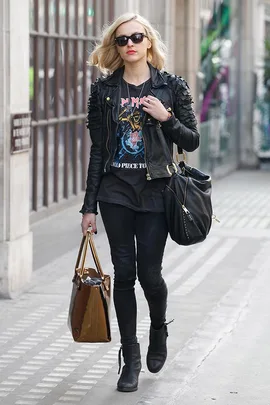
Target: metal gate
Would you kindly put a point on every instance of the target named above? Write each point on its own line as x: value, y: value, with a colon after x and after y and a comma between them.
x: 62, y: 35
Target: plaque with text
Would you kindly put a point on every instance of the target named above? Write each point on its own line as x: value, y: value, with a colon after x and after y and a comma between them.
x: 20, y: 132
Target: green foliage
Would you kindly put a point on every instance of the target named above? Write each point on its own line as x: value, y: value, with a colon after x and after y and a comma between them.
x: 267, y: 61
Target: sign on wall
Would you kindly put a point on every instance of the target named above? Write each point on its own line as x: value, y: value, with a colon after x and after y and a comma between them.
x: 20, y: 132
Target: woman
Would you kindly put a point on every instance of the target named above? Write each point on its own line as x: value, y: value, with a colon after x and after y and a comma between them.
x: 128, y: 171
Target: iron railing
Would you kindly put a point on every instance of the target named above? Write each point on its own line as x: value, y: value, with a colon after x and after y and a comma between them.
x: 61, y: 37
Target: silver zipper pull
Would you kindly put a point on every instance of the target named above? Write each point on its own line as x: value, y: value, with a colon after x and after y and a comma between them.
x: 214, y: 218
x: 186, y: 211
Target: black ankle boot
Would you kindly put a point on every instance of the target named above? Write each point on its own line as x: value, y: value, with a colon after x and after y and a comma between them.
x: 128, y: 380
x: 157, y: 349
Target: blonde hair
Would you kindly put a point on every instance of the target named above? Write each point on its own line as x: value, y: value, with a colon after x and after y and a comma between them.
x: 106, y: 57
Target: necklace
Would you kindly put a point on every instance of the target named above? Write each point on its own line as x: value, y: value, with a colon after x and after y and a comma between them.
x: 129, y: 99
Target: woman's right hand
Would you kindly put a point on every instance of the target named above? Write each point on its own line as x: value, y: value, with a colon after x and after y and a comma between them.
x: 89, y: 220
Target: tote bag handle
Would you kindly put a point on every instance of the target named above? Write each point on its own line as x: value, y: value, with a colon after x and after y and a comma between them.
x: 88, y: 239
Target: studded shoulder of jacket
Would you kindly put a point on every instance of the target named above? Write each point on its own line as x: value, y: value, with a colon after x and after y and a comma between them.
x: 179, y: 87
x: 183, y: 101
x: 93, y: 105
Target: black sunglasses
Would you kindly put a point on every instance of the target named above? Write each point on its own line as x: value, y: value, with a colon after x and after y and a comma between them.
x: 136, y: 38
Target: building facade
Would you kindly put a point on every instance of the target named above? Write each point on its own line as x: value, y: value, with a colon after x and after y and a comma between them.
x: 234, y: 115
x: 261, y: 125
x: 227, y: 91
x: 62, y: 35
x: 218, y: 90
x: 15, y: 235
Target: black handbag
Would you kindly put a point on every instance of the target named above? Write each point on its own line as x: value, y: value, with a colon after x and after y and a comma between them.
x: 187, y: 201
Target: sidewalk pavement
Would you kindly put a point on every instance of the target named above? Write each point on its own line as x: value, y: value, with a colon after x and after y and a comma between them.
x: 40, y: 364
x: 60, y: 233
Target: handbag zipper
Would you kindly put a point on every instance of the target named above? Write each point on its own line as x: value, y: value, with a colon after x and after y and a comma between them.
x: 184, y: 208
x: 187, y: 212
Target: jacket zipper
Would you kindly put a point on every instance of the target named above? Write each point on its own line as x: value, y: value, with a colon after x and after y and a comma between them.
x: 108, y: 138
x: 148, y: 176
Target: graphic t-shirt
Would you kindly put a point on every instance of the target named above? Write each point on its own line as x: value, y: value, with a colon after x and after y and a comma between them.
x: 126, y: 183
x: 130, y: 146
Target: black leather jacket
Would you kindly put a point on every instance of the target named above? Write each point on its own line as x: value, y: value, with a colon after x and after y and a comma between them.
x: 102, y: 121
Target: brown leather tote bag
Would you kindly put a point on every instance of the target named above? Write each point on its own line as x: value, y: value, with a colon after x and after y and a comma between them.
x: 89, y: 310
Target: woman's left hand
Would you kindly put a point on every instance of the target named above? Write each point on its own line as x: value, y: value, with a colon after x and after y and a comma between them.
x: 155, y: 108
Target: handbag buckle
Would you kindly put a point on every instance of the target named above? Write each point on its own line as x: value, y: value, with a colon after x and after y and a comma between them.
x: 168, y: 168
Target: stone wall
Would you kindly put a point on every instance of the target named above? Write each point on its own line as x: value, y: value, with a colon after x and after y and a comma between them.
x: 15, y: 236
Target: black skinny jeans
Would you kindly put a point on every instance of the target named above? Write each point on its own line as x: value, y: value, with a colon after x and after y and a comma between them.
x: 122, y: 226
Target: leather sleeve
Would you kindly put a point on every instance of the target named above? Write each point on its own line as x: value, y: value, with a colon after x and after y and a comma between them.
x: 182, y: 126
x: 93, y: 123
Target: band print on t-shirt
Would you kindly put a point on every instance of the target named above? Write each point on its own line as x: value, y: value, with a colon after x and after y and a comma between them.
x: 126, y: 183
x: 130, y: 146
